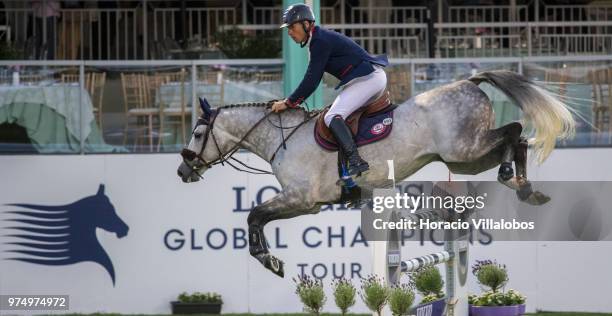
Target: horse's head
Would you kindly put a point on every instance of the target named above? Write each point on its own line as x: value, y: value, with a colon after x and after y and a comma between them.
x: 202, y: 151
x: 105, y: 215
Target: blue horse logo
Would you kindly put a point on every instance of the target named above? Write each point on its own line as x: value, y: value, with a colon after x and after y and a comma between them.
x: 65, y: 234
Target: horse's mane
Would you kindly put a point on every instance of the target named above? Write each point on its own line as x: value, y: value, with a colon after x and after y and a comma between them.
x: 244, y: 105
x: 257, y: 105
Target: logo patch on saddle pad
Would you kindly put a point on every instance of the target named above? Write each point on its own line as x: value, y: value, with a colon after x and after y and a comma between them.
x: 378, y: 128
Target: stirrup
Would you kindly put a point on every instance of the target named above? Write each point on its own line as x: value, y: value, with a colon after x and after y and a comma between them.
x: 361, y: 169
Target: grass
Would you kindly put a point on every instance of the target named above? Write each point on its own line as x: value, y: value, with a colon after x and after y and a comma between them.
x: 570, y: 314
x: 326, y: 314
x: 246, y: 314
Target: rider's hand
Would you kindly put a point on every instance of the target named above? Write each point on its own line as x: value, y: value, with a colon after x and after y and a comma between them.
x: 279, y: 106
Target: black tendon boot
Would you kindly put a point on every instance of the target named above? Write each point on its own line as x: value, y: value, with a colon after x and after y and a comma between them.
x: 345, y: 141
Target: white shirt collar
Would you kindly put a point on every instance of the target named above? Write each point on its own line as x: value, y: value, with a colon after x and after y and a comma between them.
x: 310, y: 36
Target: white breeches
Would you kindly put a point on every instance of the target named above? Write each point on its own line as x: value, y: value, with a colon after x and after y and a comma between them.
x: 357, y: 93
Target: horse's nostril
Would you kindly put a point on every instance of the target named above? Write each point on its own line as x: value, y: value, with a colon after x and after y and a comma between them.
x: 188, y: 154
x: 180, y: 174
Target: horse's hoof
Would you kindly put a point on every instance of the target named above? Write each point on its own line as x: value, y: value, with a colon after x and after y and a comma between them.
x: 532, y: 197
x: 537, y: 198
x: 272, y: 263
x: 275, y: 265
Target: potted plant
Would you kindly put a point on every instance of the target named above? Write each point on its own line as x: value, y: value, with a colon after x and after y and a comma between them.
x: 516, y: 298
x: 428, y: 282
x: 197, y: 303
x: 494, y: 302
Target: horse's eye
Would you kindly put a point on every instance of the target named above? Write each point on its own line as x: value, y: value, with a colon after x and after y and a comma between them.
x: 197, y: 135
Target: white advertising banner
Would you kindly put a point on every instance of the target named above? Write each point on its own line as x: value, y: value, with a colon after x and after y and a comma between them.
x: 122, y: 233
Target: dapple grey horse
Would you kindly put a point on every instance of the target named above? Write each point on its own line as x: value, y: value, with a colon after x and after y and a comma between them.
x: 453, y: 124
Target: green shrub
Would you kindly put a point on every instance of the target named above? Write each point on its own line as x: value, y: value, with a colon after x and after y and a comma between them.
x: 490, y: 274
x: 8, y: 51
x: 311, y: 293
x: 236, y: 43
x: 199, y: 297
x: 374, y: 293
x: 428, y: 281
x: 344, y: 294
x: 400, y: 299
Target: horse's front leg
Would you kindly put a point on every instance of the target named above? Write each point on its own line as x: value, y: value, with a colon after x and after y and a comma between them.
x: 282, y: 206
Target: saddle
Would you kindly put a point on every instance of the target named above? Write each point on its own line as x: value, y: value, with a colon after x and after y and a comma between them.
x: 370, y: 123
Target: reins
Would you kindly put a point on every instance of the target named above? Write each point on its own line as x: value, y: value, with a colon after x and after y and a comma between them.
x: 227, y: 156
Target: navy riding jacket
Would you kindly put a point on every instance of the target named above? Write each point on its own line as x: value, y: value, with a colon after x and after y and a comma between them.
x: 337, y: 55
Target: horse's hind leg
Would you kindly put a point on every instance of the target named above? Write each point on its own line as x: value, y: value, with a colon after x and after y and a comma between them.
x: 506, y: 145
x: 500, y: 143
x: 520, y: 158
x: 516, y: 150
x: 525, y: 192
x: 506, y: 176
x: 496, y: 146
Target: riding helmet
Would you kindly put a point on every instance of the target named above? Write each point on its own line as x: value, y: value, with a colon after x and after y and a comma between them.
x: 297, y: 13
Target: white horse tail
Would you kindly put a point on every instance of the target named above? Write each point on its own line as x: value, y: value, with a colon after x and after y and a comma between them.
x: 550, y: 118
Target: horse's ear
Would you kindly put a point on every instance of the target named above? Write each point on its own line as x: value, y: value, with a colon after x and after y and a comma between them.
x: 100, y: 190
x: 205, y: 107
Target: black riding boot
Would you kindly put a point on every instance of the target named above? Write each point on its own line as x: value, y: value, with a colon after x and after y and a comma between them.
x: 345, y: 141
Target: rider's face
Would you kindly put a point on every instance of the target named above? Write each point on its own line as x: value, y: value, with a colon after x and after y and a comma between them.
x: 296, y: 31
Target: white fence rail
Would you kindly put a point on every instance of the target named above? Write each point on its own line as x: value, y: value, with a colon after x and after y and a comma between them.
x: 596, y: 11
x: 201, y: 22
x: 152, y: 30
x: 387, y: 14
x: 523, y: 38
x: 403, y: 40
x: 496, y: 13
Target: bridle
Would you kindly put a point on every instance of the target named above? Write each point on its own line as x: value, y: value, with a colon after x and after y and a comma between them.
x: 223, y: 157
x: 209, y: 120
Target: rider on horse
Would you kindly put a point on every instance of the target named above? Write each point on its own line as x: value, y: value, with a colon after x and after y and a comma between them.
x: 361, y: 76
